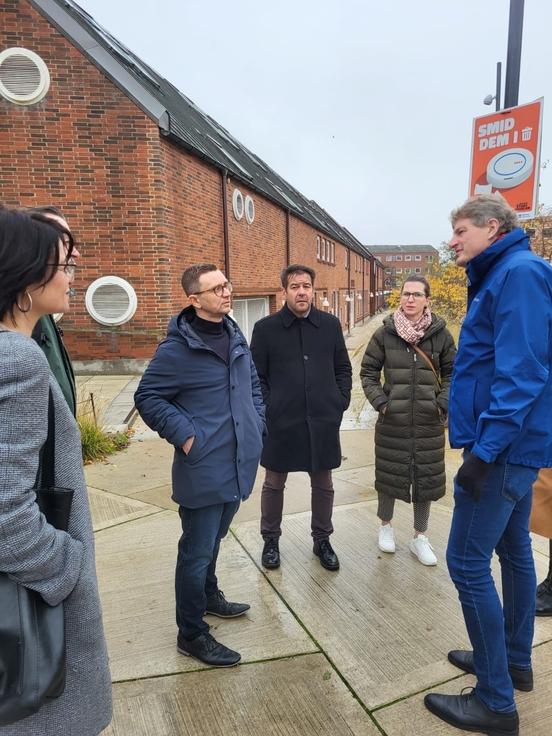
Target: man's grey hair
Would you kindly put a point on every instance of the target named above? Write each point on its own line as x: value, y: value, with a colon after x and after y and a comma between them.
x: 487, y: 207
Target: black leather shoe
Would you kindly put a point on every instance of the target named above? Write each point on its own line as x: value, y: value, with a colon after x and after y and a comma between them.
x: 463, y: 659
x: 544, y: 586
x: 271, y: 554
x: 328, y: 558
x: 217, y: 605
x: 469, y: 713
x: 208, y: 650
x: 544, y: 600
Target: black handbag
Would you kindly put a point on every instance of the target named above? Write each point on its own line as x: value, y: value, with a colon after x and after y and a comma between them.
x: 32, y: 633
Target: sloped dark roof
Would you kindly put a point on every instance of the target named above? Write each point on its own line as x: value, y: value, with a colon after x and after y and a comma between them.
x: 379, y: 249
x: 181, y: 120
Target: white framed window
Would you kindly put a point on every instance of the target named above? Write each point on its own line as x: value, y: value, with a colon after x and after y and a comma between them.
x: 417, y: 258
x: 430, y: 258
x: 110, y: 300
x: 399, y: 270
x: 389, y: 258
x: 24, y: 77
x: 249, y: 210
x: 408, y: 258
x: 248, y: 311
x: 332, y: 255
x: 418, y: 270
x: 238, y: 204
x: 318, y: 247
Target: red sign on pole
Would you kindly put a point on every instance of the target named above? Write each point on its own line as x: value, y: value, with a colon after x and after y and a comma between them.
x: 506, y: 156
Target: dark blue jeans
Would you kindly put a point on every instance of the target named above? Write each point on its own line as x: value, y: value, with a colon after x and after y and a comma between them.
x: 198, y: 548
x: 500, y: 635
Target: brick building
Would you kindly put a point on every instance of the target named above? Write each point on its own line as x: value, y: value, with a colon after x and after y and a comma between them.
x: 150, y: 184
x: 401, y: 260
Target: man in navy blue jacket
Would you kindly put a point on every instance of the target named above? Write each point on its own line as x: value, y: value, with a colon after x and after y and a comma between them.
x: 202, y: 394
x: 499, y: 413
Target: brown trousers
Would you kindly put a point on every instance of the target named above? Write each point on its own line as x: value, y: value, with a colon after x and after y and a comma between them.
x: 272, y: 504
x: 541, y: 511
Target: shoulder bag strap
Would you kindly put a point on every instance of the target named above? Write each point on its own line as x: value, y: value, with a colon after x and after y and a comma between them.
x: 45, y: 476
x: 426, y: 358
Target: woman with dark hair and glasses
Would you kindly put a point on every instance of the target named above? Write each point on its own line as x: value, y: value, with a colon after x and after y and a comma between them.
x: 416, y: 352
x: 46, y: 332
x: 59, y: 565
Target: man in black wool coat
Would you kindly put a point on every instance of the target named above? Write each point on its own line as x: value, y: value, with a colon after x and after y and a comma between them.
x: 305, y: 376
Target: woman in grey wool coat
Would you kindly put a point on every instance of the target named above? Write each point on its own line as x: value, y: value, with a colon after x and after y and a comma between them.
x: 35, y: 276
x: 416, y: 352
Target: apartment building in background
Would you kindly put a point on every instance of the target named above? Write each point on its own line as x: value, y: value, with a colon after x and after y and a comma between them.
x: 400, y: 261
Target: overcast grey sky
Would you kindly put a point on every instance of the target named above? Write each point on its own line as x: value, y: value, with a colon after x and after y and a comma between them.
x: 365, y: 106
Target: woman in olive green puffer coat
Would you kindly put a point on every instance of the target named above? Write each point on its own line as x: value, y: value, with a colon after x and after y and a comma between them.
x: 412, y: 406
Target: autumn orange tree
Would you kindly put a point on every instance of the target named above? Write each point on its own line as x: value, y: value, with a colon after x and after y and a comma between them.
x: 539, y: 230
x: 448, y: 291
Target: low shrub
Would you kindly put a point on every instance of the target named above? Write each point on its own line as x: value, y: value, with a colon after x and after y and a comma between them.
x: 97, y: 444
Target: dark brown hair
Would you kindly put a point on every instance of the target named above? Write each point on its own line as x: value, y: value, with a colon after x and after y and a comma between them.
x: 190, y: 277
x: 419, y: 279
x: 293, y: 269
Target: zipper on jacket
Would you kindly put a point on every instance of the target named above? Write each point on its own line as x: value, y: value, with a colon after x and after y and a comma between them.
x: 412, y: 396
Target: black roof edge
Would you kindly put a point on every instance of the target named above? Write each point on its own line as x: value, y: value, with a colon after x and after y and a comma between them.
x: 101, y: 58
x: 133, y: 77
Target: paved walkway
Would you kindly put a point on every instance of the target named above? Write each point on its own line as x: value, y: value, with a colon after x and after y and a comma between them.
x: 323, y: 654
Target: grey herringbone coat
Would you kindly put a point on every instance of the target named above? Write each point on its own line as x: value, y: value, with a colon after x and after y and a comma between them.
x: 59, y: 565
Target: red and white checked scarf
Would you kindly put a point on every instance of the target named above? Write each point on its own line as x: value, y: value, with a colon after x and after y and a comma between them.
x: 412, y: 332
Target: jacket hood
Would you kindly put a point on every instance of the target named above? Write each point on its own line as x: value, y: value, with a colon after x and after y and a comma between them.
x: 437, y: 324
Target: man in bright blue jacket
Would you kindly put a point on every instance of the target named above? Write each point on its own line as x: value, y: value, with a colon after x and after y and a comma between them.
x: 201, y: 393
x: 499, y: 413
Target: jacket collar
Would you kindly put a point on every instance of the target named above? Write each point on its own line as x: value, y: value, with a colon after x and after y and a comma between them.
x: 180, y: 327
x: 479, y: 266
x: 288, y: 318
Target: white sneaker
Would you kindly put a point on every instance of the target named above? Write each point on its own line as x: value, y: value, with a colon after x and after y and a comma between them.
x: 386, y: 538
x: 423, y: 550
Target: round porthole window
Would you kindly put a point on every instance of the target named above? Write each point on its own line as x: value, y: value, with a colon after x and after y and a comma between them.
x: 249, y: 209
x: 24, y: 77
x: 237, y: 204
x: 111, y: 300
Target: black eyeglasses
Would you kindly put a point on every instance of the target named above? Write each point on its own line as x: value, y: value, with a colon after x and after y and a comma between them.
x: 68, y: 268
x: 217, y: 290
x: 415, y: 294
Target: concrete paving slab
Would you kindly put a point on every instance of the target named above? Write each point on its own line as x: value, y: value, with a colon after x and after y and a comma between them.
x: 362, y: 477
x: 411, y: 718
x: 357, y: 449
x: 109, y: 509
x: 136, y: 575
x: 385, y: 621
x: 143, y: 465
x: 541, y: 545
x: 160, y: 496
x: 293, y: 697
